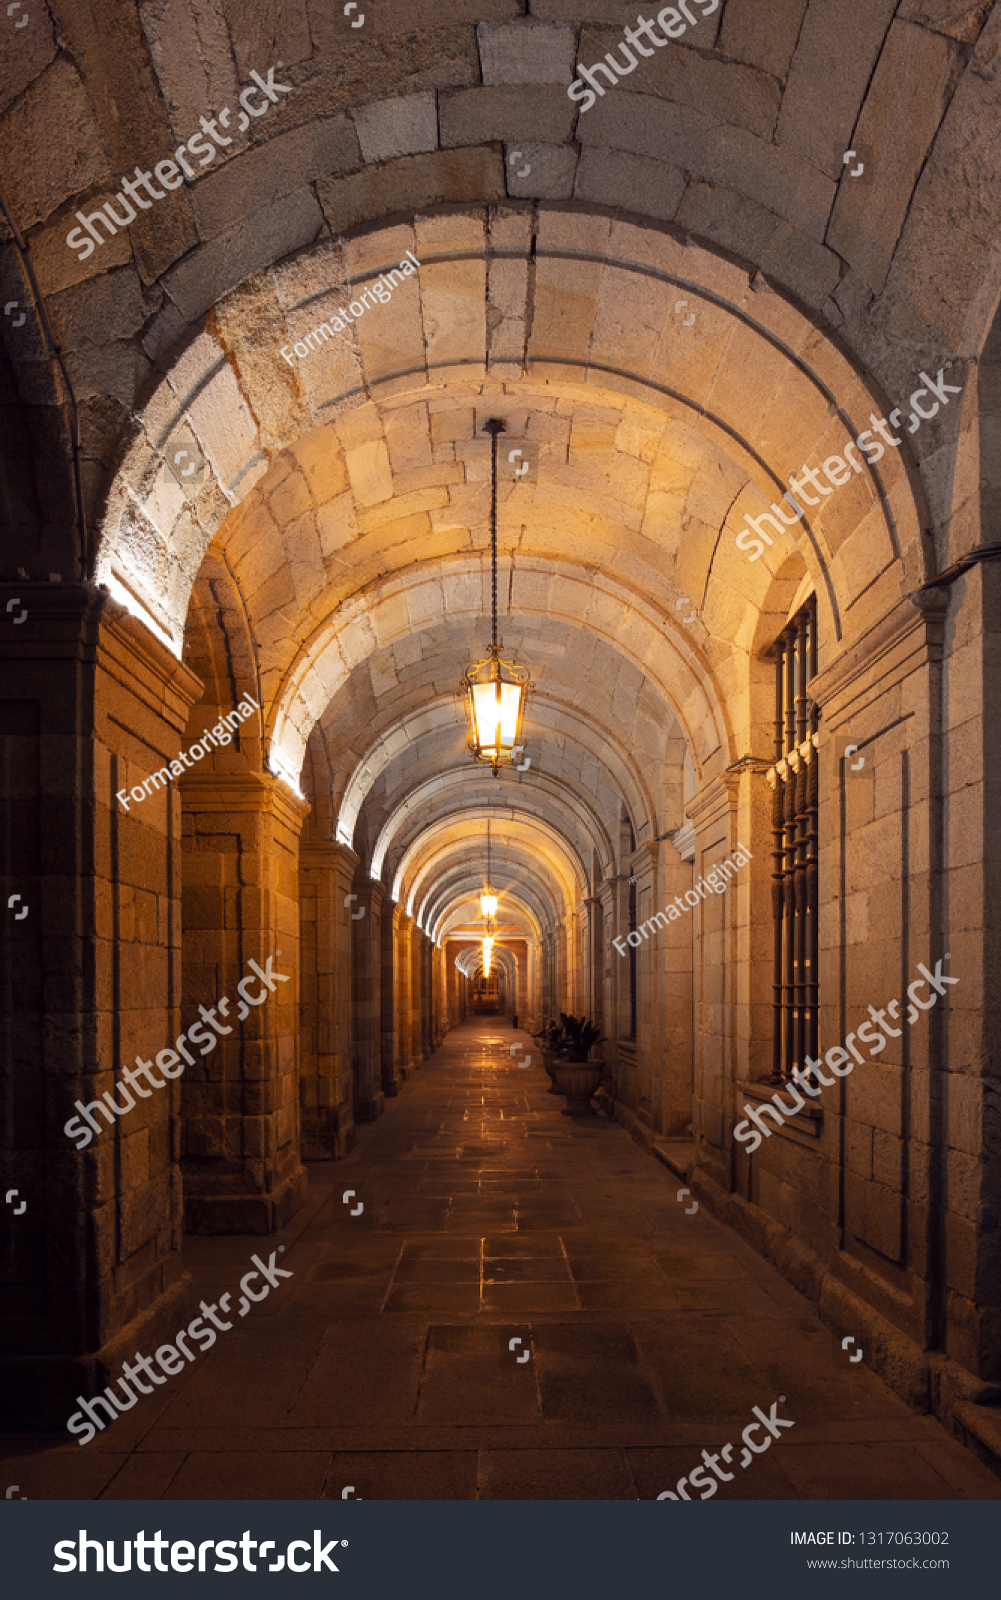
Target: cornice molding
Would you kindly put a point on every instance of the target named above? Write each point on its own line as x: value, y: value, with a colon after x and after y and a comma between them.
x: 907, y: 638
x: 245, y: 793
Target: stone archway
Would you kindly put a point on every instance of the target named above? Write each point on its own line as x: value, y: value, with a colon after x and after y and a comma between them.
x: 331, y: 565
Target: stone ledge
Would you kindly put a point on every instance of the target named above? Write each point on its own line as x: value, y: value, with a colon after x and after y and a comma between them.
x: 979, y: 1428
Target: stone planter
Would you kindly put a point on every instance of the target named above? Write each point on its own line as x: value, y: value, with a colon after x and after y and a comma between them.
x: 549, y: 1060
x: 578, y: 1081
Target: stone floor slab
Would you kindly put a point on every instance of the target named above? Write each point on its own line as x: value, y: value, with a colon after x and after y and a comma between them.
x: 503, y: 1229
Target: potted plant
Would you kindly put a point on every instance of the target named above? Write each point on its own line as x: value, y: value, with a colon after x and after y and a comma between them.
x: 573, y: 1075
x: 552, y: 1042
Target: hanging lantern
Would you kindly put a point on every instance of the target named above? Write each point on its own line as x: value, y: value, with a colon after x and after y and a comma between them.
x: 494, y: 690
x: 488, y: 947
x: 488, y: 900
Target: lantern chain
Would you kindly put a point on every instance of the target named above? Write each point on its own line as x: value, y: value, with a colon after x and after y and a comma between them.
x: 493, y: 426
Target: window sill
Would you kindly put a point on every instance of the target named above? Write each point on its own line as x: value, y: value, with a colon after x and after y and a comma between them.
x: 808, y: 1123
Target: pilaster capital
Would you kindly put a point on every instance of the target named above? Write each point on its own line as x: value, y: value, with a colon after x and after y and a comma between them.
x: 715, y: 801
x: 907, y: 638
x: 243, y: 794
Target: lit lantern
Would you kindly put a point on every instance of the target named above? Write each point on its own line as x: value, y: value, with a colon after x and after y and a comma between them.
x: 488, y: 900
x: 494, y: 690
x: 488, y: 948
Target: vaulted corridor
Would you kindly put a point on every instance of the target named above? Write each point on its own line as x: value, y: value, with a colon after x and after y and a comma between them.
x: 472, y: 557
x: 491, y: 1214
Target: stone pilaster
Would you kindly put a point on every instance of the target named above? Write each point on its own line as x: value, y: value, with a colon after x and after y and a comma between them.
x: 369, y: 1097
x: 241, y: 1156
x: 326, y: 1089
x: 403, y: 1061
x: 392, y: 1078
x: 594, y: 959
x: 90, y: 977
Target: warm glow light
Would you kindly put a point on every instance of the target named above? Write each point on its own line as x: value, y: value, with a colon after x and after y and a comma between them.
x: 488, y: 905
x: 495, y: 694
x: 118, y: 591
x: 488, y: 946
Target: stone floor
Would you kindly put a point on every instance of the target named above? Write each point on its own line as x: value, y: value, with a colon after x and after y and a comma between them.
x: 384, y: 1365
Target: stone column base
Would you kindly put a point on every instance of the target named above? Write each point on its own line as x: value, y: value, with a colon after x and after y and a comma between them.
x: 260, y: 1214
x: 41, y: 1391
x: 392, y: 1083
x: 328, y: 1132
x: 369, y: 1110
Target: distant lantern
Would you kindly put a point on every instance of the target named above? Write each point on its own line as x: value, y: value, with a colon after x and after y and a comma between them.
x: 494, y: 690
x: 488, y: 900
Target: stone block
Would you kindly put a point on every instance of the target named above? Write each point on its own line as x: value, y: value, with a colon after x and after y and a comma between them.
x: 527, y: 51
x: 958, y: 19
x: 412, y: 184
x: 963, y: 1104
x: 550, y: 174
x: 629, y: 182
x: 408, y: 439
x: 870, y: 210
x: 370, y: 473
x: 532, y: 113
x: 762, y: 37
x: 256, y: 180
x: 883, y: 1220
x: 254, y: 32
x: 780, y: 249
x: 858, y: 1147
x: 189, y: 47
x: 682, y: 137
x: 723, y: 90
x: 404, y: 126
x: 960, y: 1255
x: 819, y: 128
x: 405, y: 16
x: 208, y: 274
x: 24, y: 53
x: 52, y: 149
x: 887, y: 1160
